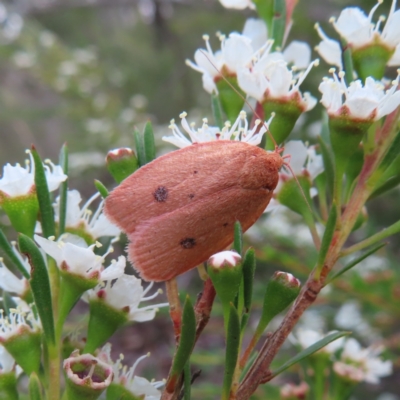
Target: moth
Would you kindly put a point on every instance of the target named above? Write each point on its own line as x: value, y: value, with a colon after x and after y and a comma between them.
x: 180, y: 209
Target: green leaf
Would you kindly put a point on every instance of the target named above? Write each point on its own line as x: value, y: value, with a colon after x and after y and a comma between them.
x: 392, y: 153
x: 43, y: 195
x: 40, y: 285
x: 185, y: 346
x: 216, y: 110
x: 139, y: 143
x: 232, y: 351
x: 347, y: 61
x: 35, y: 391
x: 148, y: 141
x: 327, y: 238
x: 310, y: 350
x: 249, y: 267
x: 8, y: 250
x: 328, y: 163
x: 355, y: 262
x: 101, y: 188
x: 278, y: 23
x: 238, y: 238
x: 63, y: 161
x: 8, y: 302
x: 187, y: 384
x: 8, y: 386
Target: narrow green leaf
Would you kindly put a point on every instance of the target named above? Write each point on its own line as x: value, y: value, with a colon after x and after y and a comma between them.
x: 249, y: 267
x: 327, y: 238
x: 238, y: 238
x: 391, y: 183
x: 63, y: 189
x: 310, y: 350
x: 43, y: 195
x: 216, y: 110
x: 8, y: 302
x: 328, y: 162
x: 279, y: 23
x: 187, y: 384
x: 8, y: 250
x: 148, y: 140
x: 40, y: 285
x: 139, y: 143
x: 186, y: 343
x: 101, y: 188
x: 355, y: 262
x: 392, y: 153
x: 35, y: 391
x: 347, y: 62
x: 232, y: 351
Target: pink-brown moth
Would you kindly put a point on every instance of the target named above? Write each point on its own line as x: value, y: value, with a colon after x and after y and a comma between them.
x: 180, y: 209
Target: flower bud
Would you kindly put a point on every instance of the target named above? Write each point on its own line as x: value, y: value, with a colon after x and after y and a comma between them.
x: 20, y: 334
x: 87, y: 376
x: 281, y: 290
x: 22, y: 211
x: 225, y: 271
x: 121, y: 163
x: 294, y: 392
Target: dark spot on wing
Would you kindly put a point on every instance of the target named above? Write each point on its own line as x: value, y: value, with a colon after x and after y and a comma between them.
x: 161, y: 194
x: 191, y: 195
x: 188, y: 243
x: 225, y: 224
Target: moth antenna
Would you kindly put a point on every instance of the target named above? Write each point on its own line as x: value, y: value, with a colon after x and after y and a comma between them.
x: 244, y: 99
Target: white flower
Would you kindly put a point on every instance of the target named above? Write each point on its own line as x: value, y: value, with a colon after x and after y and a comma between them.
x: 359, y: 31
x: 292, y: 391
x: 11, y: 26
x: 68, y: 68
x: 11, y: 283
x: 18, y: 181
x: 126, y: 377
x: 6, y: 361
x: 370, y: 101
x: 303, y: 159
x: 238, y: 131
x: 237, y: 4
x: 270, y: 78
x: 256, y: 31
x: 76, y: 258
x: 126, y: 293
x: 95, y: 224
x: 88, y: 371
x: 307, y: 337
x: 54, y: 175
x: 20, y: 319
x: 225, y: 258
x: 297, y: 53
x: 236, y: 51
x: 349, y: 317
x: 47, y: 38
x: 366, y: 360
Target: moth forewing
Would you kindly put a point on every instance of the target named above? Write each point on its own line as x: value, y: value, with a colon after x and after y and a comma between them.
x: 180, y: 209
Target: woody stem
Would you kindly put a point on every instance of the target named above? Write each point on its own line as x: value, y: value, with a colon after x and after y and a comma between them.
x: 175, y: 310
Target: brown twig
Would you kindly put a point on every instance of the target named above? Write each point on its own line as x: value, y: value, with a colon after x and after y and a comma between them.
x: 203, y: 306
x: 202, y: 311
x: 175, y: 310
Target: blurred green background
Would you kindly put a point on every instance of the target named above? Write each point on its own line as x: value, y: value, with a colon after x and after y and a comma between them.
x: 86, y: 72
